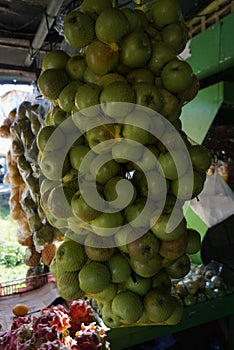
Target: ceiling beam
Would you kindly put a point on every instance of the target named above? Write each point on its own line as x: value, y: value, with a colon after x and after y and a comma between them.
x: 43, y: 29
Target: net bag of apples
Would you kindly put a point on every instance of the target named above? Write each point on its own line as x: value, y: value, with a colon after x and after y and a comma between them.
x: 116, y: 166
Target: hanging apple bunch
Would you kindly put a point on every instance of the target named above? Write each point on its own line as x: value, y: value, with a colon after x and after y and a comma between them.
x: 115, y: 172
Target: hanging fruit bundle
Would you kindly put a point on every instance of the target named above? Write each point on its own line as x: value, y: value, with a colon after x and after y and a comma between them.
x: 116, y: 166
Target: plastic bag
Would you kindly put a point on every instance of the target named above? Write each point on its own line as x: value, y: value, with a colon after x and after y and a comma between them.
x: 216, y: 201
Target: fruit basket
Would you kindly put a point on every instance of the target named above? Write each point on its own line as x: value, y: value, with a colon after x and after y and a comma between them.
x: 23, y: 285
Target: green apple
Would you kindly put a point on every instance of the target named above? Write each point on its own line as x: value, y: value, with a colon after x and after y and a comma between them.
x: 95, y: 248
x: 174, y: 164
x: 191, y: 92
x: 143, y: 320
x: 137, y: 284
x: 147, y: 162
x: 54, y: 165
x: 106, y: 171
x: 188, y: 186
x: 79, y: 29
x: 76, y: 156
x: 118, y: 91
x: 137, y: 19
x: 94, y: 277
x: 201, y: 157
x: 153, y: 185
x: 55, y: 59
x: 162, y: 280
x: 122, y: 69
x: 58, y: 203
x: 133, y: 211
x: 82, y: 210
x: 164, y: 12
x: 148, y: 268
x: 179, y: 267
x: 119, y: 194
x: 50, y: 138
x: 109, y: 78
x: 107, y: 224
x: 101, y: 58
x: 193, y: 241
x: 111, y: 25
x: 148, y: 95
x: 174, y: 140
x: 87, y: 95
x: 77, y: 236
x: 173, y: 249
x: 70, y: 256
x: 58, y: 116
x: 76, y: 226
x: 109, y: 318
x: 135, y: 49
x: 119, y: 268
x: 153, y: 33
x: 177, y: 76
x: 171, y: 108
x: 140, y: 75
x: 127, y: 150
x: 160, y: 228
x: 97, y: 135
x: 137, y: 127
x: 66, y: 99
x: 90, y: 76
x: 138, y: 213
x: 128, y: 306
x: 177, y: 313
x: 121, y: 238
x: 161, y: 55
x: 94, y: 8
x: 68, y: 286
x: 75, y: 67
x: 107, y: 294
x: 175, y: 35
x: 158, y: 305
x: 143, y: 248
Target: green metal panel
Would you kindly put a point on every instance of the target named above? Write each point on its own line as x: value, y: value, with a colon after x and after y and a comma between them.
x: 198, y: 115
x: 227, y: 43
x: 212, y: 51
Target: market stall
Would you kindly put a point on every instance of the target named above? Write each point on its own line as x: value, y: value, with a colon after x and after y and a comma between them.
x: 110, y: 167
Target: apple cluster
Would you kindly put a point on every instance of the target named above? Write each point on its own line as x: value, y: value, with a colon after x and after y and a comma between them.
x: 116, y: 165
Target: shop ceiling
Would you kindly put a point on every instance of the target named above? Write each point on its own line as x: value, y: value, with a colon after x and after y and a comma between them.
x: 30, y: 28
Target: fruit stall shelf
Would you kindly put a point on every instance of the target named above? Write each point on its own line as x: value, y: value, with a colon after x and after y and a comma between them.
x: 194, y: 315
